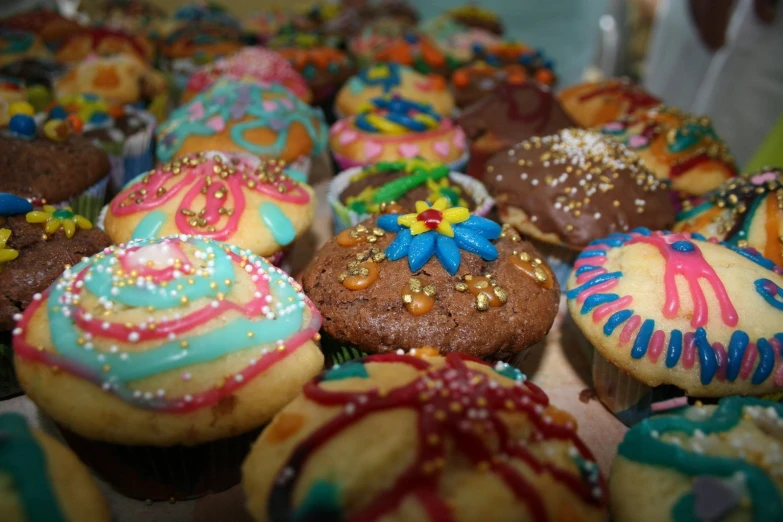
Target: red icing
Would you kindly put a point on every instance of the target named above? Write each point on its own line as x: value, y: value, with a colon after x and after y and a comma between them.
x: 722, y: 359
x: 635, y: 96
x: 748, y: 361
x: 629, y: 328
x: 656, y: 345
x: 688, y: 351
x: 431, y: 218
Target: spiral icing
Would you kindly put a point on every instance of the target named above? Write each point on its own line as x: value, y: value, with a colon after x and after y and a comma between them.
x: 396, y: 115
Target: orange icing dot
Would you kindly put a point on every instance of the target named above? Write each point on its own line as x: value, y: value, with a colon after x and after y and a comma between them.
x: 76, y: 122
x: 360, y: 282
x: 481, y: 285
x: 545, y: 76
x: 346, y: 239
x: 538, y: 272
x: 106, y: 77
x: 419, y: 303
x: 460, y: 78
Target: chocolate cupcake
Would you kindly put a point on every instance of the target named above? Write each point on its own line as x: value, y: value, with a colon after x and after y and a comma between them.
x: 395, y: 186
x: 438, y: 277
x: 510, y: 114
x: 473, y: 82
x: 573, y: 187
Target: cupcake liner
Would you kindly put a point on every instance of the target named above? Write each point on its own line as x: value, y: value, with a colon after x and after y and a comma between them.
x: 299, y: 169
x: 165, y: 473
x: 9, y: 386
x: 559, y: 258
x: 344, y: 218
x: 138, y: 154
x: 345, y: 163
x: 89, y: 202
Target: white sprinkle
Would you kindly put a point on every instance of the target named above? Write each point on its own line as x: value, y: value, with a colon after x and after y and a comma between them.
x: 133, y: 337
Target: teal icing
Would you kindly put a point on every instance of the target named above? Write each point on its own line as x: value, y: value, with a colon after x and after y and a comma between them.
x: 16, y: 41
x: 277, y: 222
x: 356, y: 85
x: 296, y: 175
x: 150, y: 225
x: 322, y: 499
x: 642, y: 446
x: 229, y: 338
x: 510, y: 372
x: 689, y: 135
x: 745, y: 230
x: 348, y: 370
x: 23, y: 459
x: 695, y: 211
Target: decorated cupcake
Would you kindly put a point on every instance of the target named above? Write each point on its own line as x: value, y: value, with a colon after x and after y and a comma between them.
x: 251, y: 64
x: 36, y: 244
x: 395, y: 186
x: 393, y: 128
x: 595, y: 103
x: 168, y: 373
x: 437, y: 277
x: 473, y: 82
x: 42, y: 479
x: 105, y: 42
x: 512, y: 113
x: 461, y: 441
x: 126, y: 134
x: 412, y: 49
x: 48, y: 25
x: 232, y: 197
x: 567, y: 189
x: 17, y: 45
x: 12, y: 91
x: 265, y: 24
x: 456, y: 41
x: 266, y: 121
x: 671, y: 314
x: 132, y: 16
x: 716, y: 462
x: 537, y: 66
x: 676, y: 146
x: 52, y: 164
x: 392, y: 79
x: 746, y: 211
x: 475, y: 16
x: 31, y: 80
x: 325, y: 69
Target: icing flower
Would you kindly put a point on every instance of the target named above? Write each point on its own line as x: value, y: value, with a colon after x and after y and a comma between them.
x: 6, y: 254
x: 55, y: 219
x: 444, y: 189
x: 396, y: 115
x: 440, y: 231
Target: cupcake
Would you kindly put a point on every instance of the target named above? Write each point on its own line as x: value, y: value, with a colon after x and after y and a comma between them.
x: 702, y: 462
x: 395, y: 186
x: 567, y: 189
x: 168, y: 373
x: 105, y: 42
x: 325, y: 69
x: 535, y: 64
x: 676, y: 146
x: 392, y: 79
x: 266, y: 121
x: 745, y: 211
x: 52, y: 164
x: 392, y: 128
x: 11, y: 91
x: 594, y: 103
x: 457, y: 41
x: 265, y: 24
x: 230, y: 197
x: 42, y: 479
x: 34, y: 80
x: 412, y: 49
x: 48, y: 25
x: 132, y: 16
x: 418, y: 439
x: 437, y: 277
x: 477, y: 17
x: 672, y: 314
x: 18, y: 45
x: 398, y: 11
x: 120, y: 79
x: 473, y: 82
x: 512, y: 113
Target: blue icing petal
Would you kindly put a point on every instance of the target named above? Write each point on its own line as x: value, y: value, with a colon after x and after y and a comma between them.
x: 11, y: 205
x: 448, y: 254
x: 149, y: 227
x: 422, y: 248
x: 389, y: 223
x: 486, y: 227
x: 278, y: 223
x: 474, y: 243
x: 399, y: 247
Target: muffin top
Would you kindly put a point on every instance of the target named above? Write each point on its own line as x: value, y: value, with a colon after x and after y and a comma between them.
x: 677, y: 146
x: 576, y: 186
x: 460, y: 440
x: 702, y: 463
x: 230, y: 197
x: 437, y: 277
x: 267, y: 121
x: 35, y: 248
x: 746, y: 211
x: 674, y: 308
x: 49, y: 170
x: 594, y: 103
x: 511, y: 113
x: 167, y: 341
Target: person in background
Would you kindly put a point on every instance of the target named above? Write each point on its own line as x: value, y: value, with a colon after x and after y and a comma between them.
x: 721, y: 58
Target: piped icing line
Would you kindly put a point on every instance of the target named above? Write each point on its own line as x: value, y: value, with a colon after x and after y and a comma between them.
x: 211, y: 189
x: 272, y: 321
x: 683, y: 258
x: 645, y: 444
x: 438, y: 421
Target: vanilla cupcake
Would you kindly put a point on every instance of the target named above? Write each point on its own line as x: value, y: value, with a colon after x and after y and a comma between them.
x: 167, y: 345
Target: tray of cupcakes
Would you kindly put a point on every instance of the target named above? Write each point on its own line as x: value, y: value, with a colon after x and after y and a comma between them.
x: 344, y: 264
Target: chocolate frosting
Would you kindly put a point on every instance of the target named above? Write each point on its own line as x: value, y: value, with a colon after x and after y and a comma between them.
x: 580, y: 186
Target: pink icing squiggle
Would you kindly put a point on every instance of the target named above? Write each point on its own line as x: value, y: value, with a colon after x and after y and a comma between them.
x: 688, y: 351
x: 597, y: 289
x: 609, y: 308
x: 748, y: 361
x: 580, y: 262
x: 586, y: 276
x: 629, y: 329
x: 212, y: 207
x: 656, y: 346
x: 722, y: 359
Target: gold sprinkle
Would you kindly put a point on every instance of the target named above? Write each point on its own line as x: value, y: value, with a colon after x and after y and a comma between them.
x: 482, y: 302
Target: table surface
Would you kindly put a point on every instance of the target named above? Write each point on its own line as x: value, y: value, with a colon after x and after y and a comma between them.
x: 560, y: 368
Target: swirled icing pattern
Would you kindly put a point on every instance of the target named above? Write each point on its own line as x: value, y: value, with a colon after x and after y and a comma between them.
x: 192, y: 280
x: 396, y: 115
x: 238, y: 108
x: 734, y: 356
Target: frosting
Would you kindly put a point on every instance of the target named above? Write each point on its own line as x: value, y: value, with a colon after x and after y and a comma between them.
x: 439, y: 231
x: 23, y: 459
x: 14, y: 41
x: 396, y: 115
x: 189, y: 277
x: 53, y: 219
x: 385, y: 75
x: 12, y: 205
x: 652, y: 442
x: 239, y: 108
x: 442, y: 419
x: 6, y: 253
x: 211, y: 189
x: 684, y: 265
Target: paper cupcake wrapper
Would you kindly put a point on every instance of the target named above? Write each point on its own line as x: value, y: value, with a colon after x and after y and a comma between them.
x: 90, y: 202
x: 138, y: 154
x: 165, y: 473
x: 344, y: 218
x: 9, y: 386
x: 559, y: 258
x: 346, y: 163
